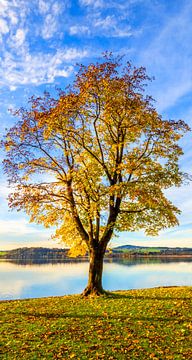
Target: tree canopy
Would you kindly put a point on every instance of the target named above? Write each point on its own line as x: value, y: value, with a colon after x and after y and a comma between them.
x: 96, y: 160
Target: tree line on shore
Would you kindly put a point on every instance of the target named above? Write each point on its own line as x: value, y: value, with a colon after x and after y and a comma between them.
x: 121, y: 251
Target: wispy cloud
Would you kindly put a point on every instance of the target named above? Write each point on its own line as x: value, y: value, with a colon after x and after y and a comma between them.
x: 28, y: 70
x: 20, y: 62
x: 114, y: 4
x: 168, y: 57
x: 34, y: 52
x: 112, y: 27
x: 4, y: 29
x: 10, y: 227
x: 79, y: 30
x: 44, y: 6
x: 37, y: 68
x: 49, y: 27
x: 107, y: 19
x: 92, y: 3
x: 51, y: 11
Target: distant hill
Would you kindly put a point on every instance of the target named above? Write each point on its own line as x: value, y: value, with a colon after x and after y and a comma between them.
x: 134, y: 249
x: 34, y: 253
x: 122, y: 247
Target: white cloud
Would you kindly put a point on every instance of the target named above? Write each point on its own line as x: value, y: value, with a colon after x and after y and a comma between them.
x: 79, y: 30
x: 13, y: 87
x: 121, y: 33
x: 19, y: 38
x: 121, y: 5
x: 39, y: 68
x: 17, y: 227
x: 71, y: 54
x: 94, y: 3
x: 50, y: 6
x: 3, y: 7
x: 49, y: 27
x: 44, y: 6
x: 4, y: 29
x: 51, y: 24
x: 112, y: 27
x: 20, y: 62
x: 13, y: 17
x: 98, y: 22
x: 42, y: 239
x: 106, y: 22
x: 56, y: 8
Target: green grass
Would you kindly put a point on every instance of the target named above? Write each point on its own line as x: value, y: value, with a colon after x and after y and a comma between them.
x: 136, y: 324
x: 139, y: 251
x: 146, y: 251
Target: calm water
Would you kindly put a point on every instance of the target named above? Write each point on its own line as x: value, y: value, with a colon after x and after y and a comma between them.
x: 19, y: 280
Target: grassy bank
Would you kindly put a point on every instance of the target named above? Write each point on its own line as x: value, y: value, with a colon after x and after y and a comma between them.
x: 136, y: 324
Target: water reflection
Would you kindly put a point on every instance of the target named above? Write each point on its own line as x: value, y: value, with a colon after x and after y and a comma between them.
x: 24, y: 262
x: 129, y: 261
x: 26, y: 280
x: 38, y: 280
x: 151, y: 260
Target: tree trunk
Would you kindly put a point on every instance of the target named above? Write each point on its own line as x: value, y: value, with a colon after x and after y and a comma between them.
x: 94, y: 286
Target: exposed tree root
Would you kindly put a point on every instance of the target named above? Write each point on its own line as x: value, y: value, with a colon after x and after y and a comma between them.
x: 93, y: 291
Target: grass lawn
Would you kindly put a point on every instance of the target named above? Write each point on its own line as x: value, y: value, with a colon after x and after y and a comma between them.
x: 136, y: 324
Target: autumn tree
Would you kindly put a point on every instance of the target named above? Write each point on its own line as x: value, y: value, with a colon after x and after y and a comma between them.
x: 95, y: 161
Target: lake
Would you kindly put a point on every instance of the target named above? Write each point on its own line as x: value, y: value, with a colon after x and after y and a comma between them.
x: 19, y: 280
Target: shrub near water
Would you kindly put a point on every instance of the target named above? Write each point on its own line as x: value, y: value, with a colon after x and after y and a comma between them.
x: 136, y: 324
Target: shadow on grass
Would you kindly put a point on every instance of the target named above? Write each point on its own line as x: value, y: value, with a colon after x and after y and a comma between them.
x: 86, y: 318
x: 124, y: 295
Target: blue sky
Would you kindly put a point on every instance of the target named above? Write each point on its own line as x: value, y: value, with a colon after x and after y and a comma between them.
x: 40, y: 43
